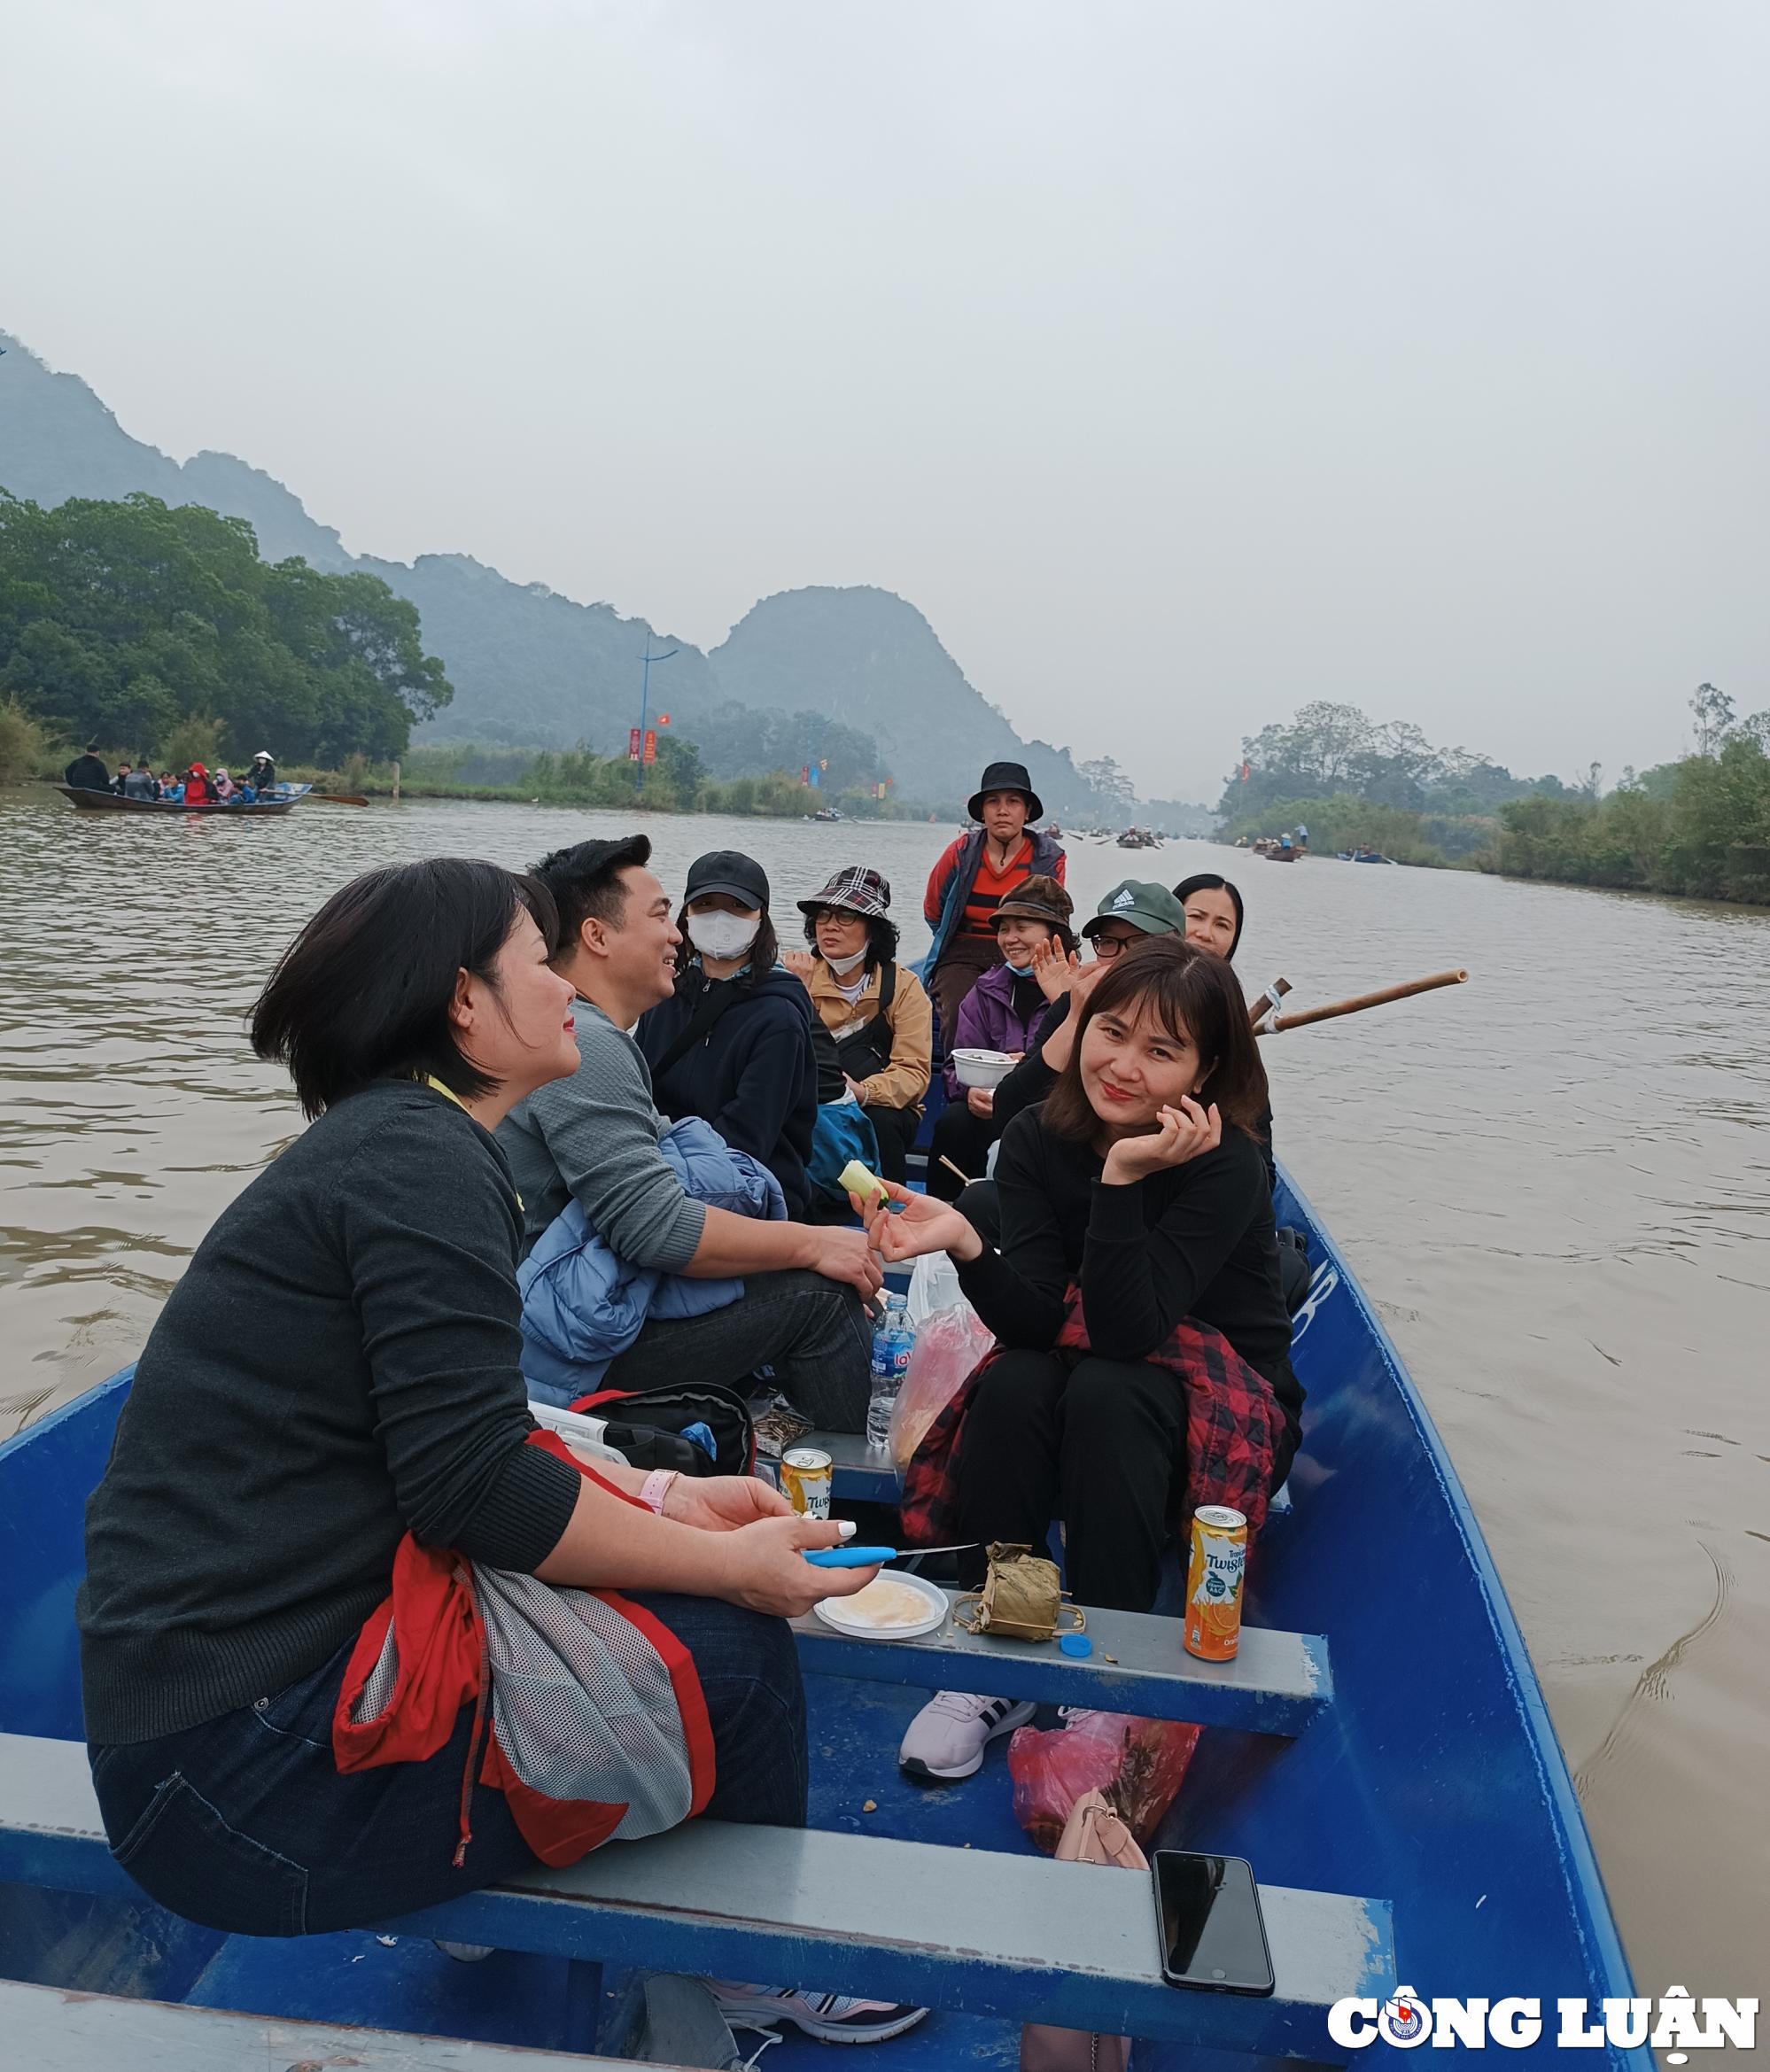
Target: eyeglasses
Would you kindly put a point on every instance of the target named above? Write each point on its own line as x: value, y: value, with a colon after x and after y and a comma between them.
x: 1109, y: 946
x: 837, y: 916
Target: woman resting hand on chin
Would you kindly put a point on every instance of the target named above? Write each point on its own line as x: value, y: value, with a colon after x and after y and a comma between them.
x: 1138, y: 1187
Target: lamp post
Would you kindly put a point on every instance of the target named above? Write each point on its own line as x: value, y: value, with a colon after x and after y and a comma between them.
x: 645, y: 705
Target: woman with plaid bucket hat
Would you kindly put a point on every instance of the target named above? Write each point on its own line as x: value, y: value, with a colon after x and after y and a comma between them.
x: 874, y: 1008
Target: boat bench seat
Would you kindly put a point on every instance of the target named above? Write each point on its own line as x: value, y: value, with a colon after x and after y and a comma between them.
x: 48, y: 2030
x: 1277, y: 1683
x: 1019, y: 1937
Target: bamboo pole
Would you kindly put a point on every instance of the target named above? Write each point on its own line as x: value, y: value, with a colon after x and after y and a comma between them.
x: 1360, y: 1001
x: 1269, y: 999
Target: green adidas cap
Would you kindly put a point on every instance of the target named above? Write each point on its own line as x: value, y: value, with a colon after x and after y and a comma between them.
x: 1152, y: 908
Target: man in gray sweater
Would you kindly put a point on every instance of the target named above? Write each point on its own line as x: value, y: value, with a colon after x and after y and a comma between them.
x: 594, y: 1138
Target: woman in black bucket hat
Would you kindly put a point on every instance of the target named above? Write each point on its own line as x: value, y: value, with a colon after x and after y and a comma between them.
x: 975, y: 874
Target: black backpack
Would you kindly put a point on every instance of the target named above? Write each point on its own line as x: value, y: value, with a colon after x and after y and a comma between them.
x: 648, y: 1426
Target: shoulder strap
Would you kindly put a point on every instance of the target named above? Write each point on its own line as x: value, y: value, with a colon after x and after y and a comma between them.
x: 713, y: 1003
x: 888, y: 983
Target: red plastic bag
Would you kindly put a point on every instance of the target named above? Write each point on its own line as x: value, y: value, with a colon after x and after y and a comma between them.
x: 1138, y: 1763
x: 948, y: 1344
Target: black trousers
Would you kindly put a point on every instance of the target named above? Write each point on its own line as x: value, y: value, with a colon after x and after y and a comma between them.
x: 963, y: 1138
x: 1104, y: 1442
x: 896, y: 1129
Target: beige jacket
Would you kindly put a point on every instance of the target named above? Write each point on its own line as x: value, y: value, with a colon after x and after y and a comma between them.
x: 905, y: 1078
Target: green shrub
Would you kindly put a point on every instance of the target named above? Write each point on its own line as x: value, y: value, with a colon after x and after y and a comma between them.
x: 24, y: 745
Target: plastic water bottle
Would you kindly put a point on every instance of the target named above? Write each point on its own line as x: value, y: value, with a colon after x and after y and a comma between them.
x: 891, y: 1347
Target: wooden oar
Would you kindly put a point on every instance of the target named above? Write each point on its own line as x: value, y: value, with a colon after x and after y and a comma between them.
x: 1360, y: 1001
x: 338, y: 798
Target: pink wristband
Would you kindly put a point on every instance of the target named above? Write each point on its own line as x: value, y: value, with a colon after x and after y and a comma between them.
x: 657, y: 1487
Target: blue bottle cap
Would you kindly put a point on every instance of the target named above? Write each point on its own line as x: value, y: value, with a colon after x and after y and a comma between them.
x: 1076, y: 1644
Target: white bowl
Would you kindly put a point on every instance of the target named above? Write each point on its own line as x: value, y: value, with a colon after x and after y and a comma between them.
x: 840, y: 1611
x: 982, y: 1068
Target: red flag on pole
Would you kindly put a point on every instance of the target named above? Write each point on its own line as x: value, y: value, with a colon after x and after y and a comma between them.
x: 663, y: 719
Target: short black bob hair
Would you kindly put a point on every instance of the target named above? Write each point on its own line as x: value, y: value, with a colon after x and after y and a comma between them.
x: 881, y: 938
x: 1180, y: 987
x: 1209, y: 881
x: 364, y: 991
x: 585, y: 884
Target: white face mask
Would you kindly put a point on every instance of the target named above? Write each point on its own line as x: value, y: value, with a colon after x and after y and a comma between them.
x: 721, y: 934
x: 843, y: 966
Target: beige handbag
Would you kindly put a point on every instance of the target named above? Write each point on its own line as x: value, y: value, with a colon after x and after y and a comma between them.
x: 1092, y: 1833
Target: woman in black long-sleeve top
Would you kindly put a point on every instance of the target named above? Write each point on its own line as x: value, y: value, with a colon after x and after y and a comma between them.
x: 1140, y: 1183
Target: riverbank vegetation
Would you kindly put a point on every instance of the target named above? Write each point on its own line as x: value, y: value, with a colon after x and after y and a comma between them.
x: 1352, y: 779
x: 1699, y: 827
x: 676, y: 783
x: 136, y: 624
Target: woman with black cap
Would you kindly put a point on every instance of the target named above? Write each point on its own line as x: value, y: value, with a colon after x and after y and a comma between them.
x: 975, y: 874
x: 733, y: 1045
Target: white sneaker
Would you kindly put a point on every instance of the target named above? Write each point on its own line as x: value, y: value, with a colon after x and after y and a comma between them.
x: 947, y: 1738
x: 832, y: 2018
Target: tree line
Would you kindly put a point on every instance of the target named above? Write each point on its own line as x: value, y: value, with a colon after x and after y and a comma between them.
x: 1699, y: 826
x: 140, y: 625
x: 1355, y: 779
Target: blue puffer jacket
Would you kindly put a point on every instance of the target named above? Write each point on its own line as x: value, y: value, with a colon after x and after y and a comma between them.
x: 582, y: 1306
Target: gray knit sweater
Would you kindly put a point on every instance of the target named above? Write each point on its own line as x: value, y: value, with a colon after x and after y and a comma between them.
x: 340, y: 1362
x: 595, y: 1136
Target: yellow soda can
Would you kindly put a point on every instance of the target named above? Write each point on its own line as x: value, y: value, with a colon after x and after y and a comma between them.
x: 1213, y: 1583
x: 805, y: 1479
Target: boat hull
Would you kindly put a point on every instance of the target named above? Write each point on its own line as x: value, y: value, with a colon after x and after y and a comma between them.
x: 1433, y: 1780
x: 109, y: 801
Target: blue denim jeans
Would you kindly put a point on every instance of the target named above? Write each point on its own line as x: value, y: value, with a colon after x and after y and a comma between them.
x: 244, y: 1824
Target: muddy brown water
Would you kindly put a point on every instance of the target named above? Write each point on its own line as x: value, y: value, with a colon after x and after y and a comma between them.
x: 1554, y: 1182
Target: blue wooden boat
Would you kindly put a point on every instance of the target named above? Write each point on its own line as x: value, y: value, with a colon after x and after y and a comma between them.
x: 281, y: 799
x: 1380, y: 1751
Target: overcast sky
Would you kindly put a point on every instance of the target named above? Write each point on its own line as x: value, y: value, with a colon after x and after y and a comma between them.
x: 1405, y: 352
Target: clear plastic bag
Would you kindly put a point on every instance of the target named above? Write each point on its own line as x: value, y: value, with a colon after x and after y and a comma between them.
x: 934, y: 1286
x: 1138, y: 1764
x: 948, y: 1344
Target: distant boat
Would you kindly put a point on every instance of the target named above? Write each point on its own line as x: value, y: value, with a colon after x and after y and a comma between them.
x: 826, y: 813
x: 111, y: 802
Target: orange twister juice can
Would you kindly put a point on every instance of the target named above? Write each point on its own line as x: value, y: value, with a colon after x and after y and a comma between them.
x: 1213, y: 1577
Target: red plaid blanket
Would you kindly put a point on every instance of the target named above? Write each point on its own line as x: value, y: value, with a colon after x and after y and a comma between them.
x: 1233, y: 1428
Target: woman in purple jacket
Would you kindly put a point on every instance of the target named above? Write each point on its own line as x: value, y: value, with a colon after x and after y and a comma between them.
x: 1000, y: 1013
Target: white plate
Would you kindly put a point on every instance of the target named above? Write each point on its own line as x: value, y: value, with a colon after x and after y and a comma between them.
x: 838, y: 1612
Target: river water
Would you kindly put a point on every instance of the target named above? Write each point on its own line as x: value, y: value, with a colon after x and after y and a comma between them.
x: 1554, y: 1182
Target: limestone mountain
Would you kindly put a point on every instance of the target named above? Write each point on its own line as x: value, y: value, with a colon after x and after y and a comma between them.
x: 868, y: 657
x: 854, y: 676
